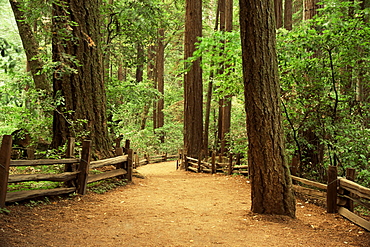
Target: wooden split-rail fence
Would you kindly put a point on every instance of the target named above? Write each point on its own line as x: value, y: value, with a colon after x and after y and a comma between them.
x: 339, y: 194
x: 152, y: 159
x: 75, y: 177
x: 214, y: 164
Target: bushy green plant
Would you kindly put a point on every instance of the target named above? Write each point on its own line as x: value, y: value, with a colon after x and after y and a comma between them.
x: 322, y: 65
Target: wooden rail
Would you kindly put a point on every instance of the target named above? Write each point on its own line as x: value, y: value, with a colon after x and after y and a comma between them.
x: 75, y: 177
x: 339, y: 193
x: 152, y: 159
x: 198, y: 165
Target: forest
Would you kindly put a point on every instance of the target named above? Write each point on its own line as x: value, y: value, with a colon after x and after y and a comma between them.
x: 120, y: 72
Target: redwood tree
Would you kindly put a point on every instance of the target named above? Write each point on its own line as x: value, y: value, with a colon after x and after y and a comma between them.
x: 271, y: 183
x: 79, y: 74
x: 193, y: 87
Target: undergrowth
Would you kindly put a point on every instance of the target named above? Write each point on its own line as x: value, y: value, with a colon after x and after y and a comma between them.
x: 103, y: 186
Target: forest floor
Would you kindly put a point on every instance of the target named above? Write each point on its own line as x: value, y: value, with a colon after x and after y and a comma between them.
x: 173, y: 208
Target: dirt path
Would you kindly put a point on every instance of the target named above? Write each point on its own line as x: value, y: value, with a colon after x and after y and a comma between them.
x: 173, y: 208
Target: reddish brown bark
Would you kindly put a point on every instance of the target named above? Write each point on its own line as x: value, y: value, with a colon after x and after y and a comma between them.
x: 193, y: 87
x: 288, y: 14
x: 79, y: 75
x: 271, y: 183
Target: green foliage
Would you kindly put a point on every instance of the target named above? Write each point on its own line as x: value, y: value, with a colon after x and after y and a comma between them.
x: 103, y: 186
x: 221, y: 62
x: 4, y: 211
x: 237, y: 139
x: 131, y: 24
x: 126, y: 100
x: 10, y: 56
x: 323, y: 63
x: 37, y: 203
x: 32, y: 185
x: 24, y: 109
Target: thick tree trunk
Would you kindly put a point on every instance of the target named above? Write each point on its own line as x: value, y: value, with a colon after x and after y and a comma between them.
x: 79, y: 75
x: 193, y: 87
x: 271, y: 183
x: 31, y: 48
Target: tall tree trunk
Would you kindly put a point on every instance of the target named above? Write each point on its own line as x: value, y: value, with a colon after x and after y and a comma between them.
x: 226, y: 107
x: 209, y: 93
x: 31, y: 47
x: 297, y: 6
x: 160, y: 81
x: 220, y: 133
x: 207, y: 115
x: 310, y: 9
x: 288, y: 14
x: 271, y: 183
x: 139, y: 63
x: 193, y: 87
x: 121, y: 73
x: 79, y: 76
x: 150, y: 75
x: 278, y: 4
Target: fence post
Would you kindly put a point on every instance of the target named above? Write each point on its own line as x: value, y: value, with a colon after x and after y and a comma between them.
x: 237, y: 162
x: 5, y: 153
x: 231, y: 168
x: 213, y: 162
x: 129, y: 165
x: 199, y: 161
x: 178, y: 159
x: 182, y: 160
x: 136, y: 158
x: 350, y: 175
x: 147, y: 159
x: 30, y: 153
x: 70, y: 154
x: 331, y: 193
x: 84, y: 167
x: 119, y: 152
x: 186, y: 162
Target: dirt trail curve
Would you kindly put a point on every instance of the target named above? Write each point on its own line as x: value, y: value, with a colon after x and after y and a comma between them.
x: 173, y: 208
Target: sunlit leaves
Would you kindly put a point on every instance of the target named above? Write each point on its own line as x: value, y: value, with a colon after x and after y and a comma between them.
x: 322, y: 66
x: 221, y: 62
